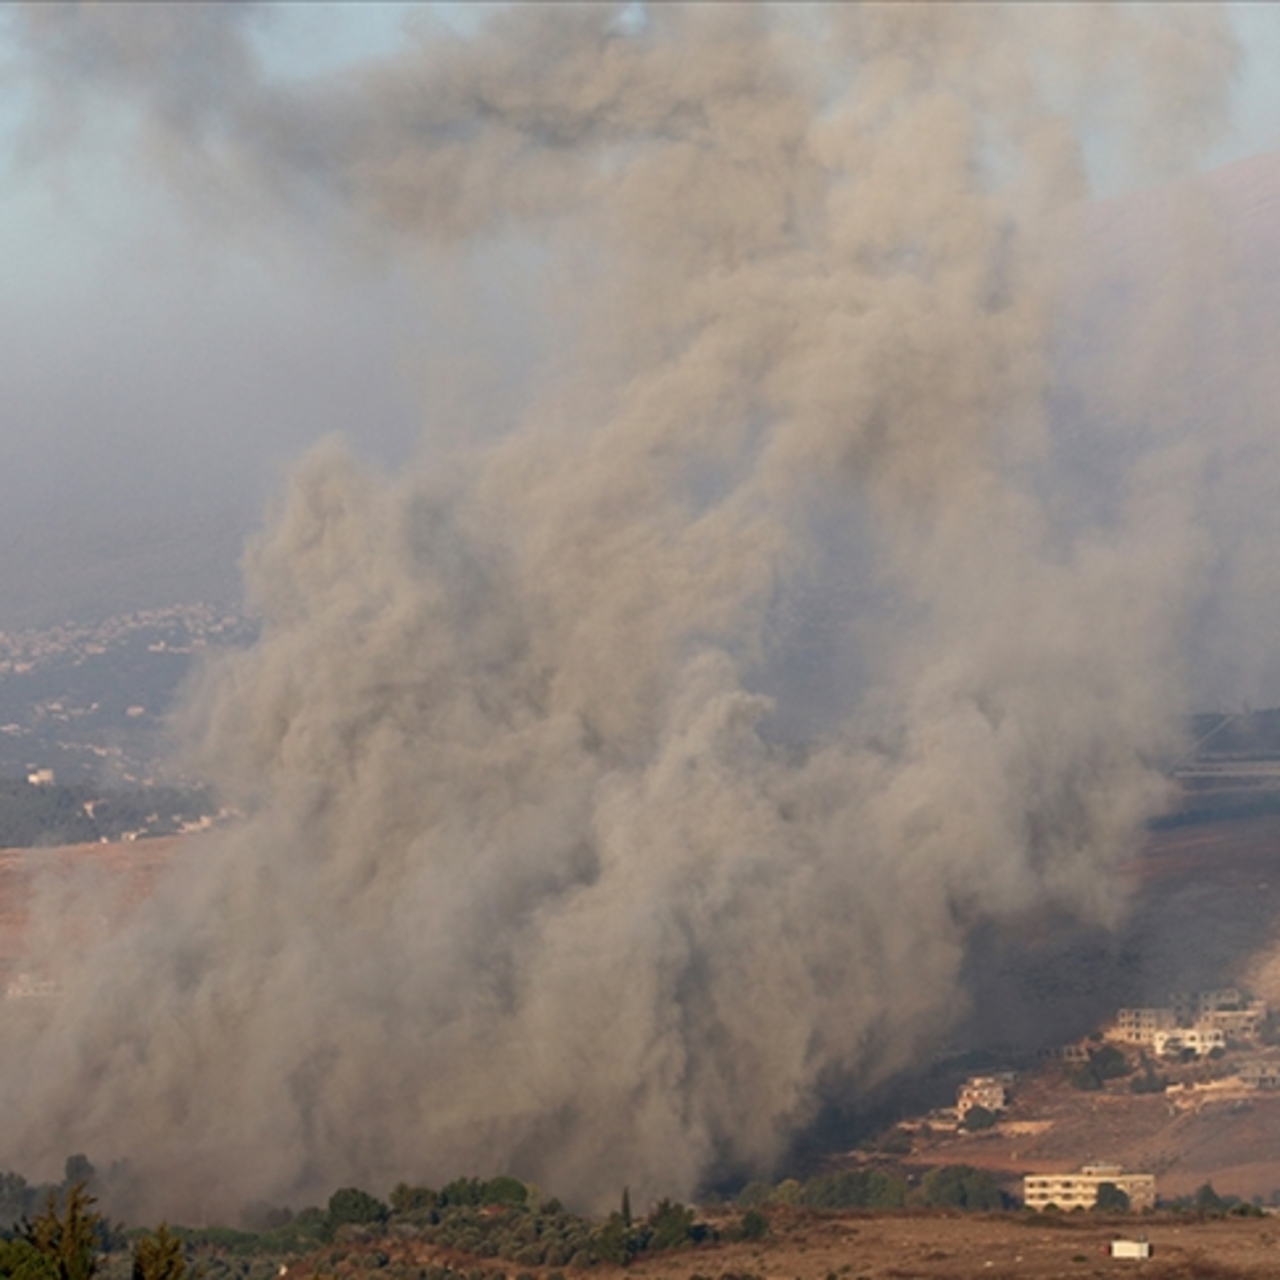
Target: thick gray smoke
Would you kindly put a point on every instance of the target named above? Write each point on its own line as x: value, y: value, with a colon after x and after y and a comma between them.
x: 633, y: 782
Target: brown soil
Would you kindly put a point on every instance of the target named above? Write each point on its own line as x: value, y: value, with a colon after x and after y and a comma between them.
x: 931, y: 1246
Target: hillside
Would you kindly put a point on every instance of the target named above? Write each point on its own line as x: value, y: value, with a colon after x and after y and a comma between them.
x: 805, y: 1245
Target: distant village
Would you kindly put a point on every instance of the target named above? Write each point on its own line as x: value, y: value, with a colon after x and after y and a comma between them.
x: 1223, y: 1031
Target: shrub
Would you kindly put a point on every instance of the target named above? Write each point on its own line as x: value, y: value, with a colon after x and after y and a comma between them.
x: 350, y: 1204
x: 754, y: 1225
x: 1111, y: 1199
x: 978, y: 1118
x: 960, y: 1186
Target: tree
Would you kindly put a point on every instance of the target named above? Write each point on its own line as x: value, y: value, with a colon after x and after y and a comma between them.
x: 1111, y: 1199
x: 20, y: 1260
x: 68, y: 1239
x: 755, y: 1226
x: 960, y: 1186
x: 979, y: 1117
x: 1207, y: 1200
x: 350, y: 1204
x: 504, y: 1190
x: 754, y: 1194
x: 78, y: 1169
x: 407, y: 1199
x: 159, y: 1257
x: 670, y: 1225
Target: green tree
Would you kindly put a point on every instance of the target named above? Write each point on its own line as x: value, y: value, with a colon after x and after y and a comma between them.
x: 350, y: 1204
x: 857, y: 1188
x: 755, y: 1225
x: 1207, y: 1200
x: 67, y: 1238
x: 159, y: 1257
x: 504, y: 1190
x: 407, y: 1199
x: 1111, y: 1199
x: 20, y: 1260
x: 978, y: 1118
x: 960, y: 1186
x: 670, y: 1225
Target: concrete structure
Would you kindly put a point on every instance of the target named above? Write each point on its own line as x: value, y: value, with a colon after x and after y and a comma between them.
x: 1239, y: 1024
x: 1191, y: 1016
x: 1080, y: 1190
x: 1131, y: 1248
x: 1201, y: 1040
x: 1141, y: 1026
x: 1191, y: 1006
x: 991, y: 1092
x: 1259, y: 1074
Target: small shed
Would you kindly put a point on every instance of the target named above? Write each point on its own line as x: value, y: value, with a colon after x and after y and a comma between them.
x: 1131, y: 1249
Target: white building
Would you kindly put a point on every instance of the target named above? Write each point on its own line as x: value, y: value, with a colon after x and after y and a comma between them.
x: 1080, y: 1190
x: 1200, y: 1040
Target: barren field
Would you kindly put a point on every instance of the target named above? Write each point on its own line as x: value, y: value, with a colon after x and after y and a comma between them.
x: 122, y: 874
x: 932, y: 1246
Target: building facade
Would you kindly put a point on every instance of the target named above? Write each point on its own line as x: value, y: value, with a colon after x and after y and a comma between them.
x: 1080, y: 1190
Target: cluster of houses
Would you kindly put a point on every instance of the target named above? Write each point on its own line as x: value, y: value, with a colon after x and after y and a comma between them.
x: 1197, y: 1022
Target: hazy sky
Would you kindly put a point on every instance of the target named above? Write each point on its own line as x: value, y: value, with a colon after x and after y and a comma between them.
x: 160, y: 368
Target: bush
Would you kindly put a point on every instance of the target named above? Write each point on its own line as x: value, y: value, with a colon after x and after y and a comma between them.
x: 407, y: 1199
x: 21, y: 1260
x: 1086, y: 1078
x: 670, y: 1225
x: 855, y: 1189
x: 1111, y: 1199
x: 754, y: 1225
x: 960, y: 1186
x: 978, y: 1118
x: 898, y: 1143
x: 350, y: 1204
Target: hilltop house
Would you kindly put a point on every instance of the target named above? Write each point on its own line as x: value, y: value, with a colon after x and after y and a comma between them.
x: 990, y: 1092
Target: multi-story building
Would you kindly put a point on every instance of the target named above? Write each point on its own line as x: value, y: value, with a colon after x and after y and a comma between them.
x: 1260, y: 1074
x: 1141, y: 1026
x: 991, y: 1092
x: 1242, y: 1023
x: 1080, y: 1190
x: 1191, y: 1006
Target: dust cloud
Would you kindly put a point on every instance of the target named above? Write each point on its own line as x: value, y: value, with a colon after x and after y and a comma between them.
x: 630, y: 781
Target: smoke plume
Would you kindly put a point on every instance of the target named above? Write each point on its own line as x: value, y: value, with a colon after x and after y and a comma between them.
x: 629, y: 784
